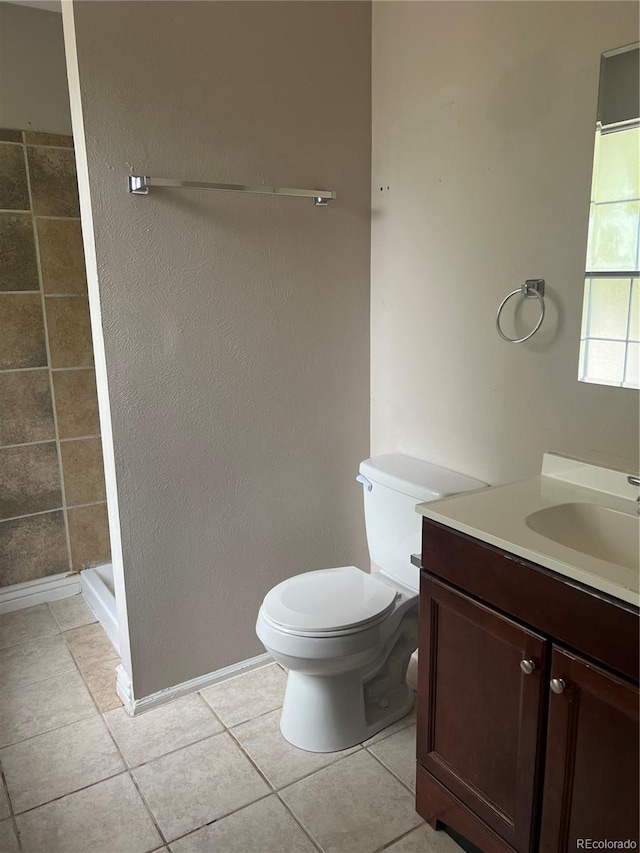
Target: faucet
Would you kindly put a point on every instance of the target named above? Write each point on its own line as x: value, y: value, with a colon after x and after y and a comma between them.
x: 635, y: 481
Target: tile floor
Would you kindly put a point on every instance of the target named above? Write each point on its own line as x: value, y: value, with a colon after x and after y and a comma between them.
x: 208, y: 773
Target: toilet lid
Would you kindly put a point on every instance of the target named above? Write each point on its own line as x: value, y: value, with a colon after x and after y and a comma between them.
x: 328, y: 600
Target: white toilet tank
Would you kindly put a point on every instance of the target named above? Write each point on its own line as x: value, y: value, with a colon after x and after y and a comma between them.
x: 393, y: 484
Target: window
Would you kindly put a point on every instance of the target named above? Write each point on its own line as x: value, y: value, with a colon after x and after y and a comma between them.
x: 610, y: 336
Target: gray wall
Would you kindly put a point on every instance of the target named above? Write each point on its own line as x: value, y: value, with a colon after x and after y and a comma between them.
x: 483, y: 124
x: 33, y: 79
x: 236, y: 328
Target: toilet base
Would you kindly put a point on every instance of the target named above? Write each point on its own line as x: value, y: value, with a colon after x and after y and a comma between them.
x: 335, y: 711
x: 331, y: 712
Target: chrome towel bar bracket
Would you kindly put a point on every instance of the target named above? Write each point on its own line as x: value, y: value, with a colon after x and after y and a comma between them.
x: 139, y: 185
x: 533, y: 288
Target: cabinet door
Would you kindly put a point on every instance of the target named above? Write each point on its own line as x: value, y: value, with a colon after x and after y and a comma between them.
x: 591, y: 768
x: 479, y: 713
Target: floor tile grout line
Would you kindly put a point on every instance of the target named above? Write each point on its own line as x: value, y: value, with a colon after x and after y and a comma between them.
x: 57, y: 799
x: 28, y: 639
x: 38, y: 680
x: 399, y: 838
x: 358, y: 748
x: 47, y: 731
x: 252, y: 762
x: 12, y: 815
x: 73, y: 627
x: 306, y: 831
x: 198, y: 693
x: 393, y: 773
x: 221, y: 818
x: 134, y: 767
x: 126, y: 770
x: 136, y: 785
x: 235, y: 725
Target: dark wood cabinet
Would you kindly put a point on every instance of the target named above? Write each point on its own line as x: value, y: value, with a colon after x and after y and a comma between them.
x: 479, y: 731
x: 527, y: 724
x: 592, y: 759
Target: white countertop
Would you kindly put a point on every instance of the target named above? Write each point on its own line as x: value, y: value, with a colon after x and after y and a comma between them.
x: 497, y: 514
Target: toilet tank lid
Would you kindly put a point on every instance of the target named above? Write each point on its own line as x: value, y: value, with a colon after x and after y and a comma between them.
x: 418, y: 479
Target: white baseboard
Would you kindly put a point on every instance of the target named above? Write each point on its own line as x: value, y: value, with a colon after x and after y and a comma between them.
x: 135, y: 706
x: 38, y: 591
x: 102, y: 602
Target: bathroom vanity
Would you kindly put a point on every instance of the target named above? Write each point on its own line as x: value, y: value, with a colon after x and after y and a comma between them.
x: 528, y: 663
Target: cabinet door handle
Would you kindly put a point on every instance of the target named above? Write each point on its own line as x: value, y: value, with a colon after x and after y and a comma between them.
x: 558, y: 685
x: 527, y: 666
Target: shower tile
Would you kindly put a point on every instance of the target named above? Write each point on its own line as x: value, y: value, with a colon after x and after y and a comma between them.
x: 18, y: 267
x: 7, y: 135
x: 280, y: 762
x: 76, y: 402
x: 43, y: 706
x: 89, y: 645
x: 247, y: 696
x: 100, y: 678
x: 31, y: 479
x: 32, y: 547
x: 34, y: 660
x: 198, y: 784
x: 54, y: 186
x: 14, y: 193
x: 71, y: 612
x: 376, y: 811
x: 61, y: 256
x: 22, y: 342
x: 57, y: 763
x: 398, y: 754
x: 8, y: 840
x: 27, y: 624
x: 105, y: 818
x: 83, y: 471
x: 26, y: 413
x: 69, y: 329
x: 265, y: 826
x: 59, y: 140
x: 162, y: 730
x: 89, y: 535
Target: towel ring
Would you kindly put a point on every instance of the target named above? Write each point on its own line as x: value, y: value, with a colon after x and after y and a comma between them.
x: 533, y: 288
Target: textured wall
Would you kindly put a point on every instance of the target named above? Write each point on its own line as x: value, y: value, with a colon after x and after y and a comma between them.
x: 483, y: 120
x: 235, y: 327
x: 33, y: 80
x: 53, y: 515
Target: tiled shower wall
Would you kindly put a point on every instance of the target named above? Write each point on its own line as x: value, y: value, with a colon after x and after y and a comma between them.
x: 53, y: 515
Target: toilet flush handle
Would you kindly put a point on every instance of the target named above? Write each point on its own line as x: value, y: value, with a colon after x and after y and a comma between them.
x: 366, y: 483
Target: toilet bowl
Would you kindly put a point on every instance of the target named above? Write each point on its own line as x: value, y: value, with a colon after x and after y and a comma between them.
x: 346, y: 636
x: 347, y: 655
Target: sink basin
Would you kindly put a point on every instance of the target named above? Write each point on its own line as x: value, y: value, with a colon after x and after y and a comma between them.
x: 592, y: 529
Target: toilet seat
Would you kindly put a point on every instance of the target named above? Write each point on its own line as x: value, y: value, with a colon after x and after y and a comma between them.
x: 328, y: 602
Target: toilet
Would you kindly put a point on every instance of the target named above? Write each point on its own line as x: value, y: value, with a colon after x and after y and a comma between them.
x: 346, y: 636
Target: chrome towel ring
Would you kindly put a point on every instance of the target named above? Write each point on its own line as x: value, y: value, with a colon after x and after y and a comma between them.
x: 533, y: 288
